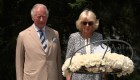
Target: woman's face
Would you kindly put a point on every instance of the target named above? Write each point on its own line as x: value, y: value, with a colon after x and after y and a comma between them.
x: 87, y: 27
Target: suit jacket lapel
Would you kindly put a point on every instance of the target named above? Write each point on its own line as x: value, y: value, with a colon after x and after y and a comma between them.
x: 34, y: 35
x: 49, y: 37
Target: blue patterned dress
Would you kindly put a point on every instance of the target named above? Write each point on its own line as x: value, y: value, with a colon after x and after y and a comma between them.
x: 75, y: 42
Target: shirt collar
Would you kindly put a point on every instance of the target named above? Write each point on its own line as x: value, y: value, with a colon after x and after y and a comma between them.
x: 37, y: 29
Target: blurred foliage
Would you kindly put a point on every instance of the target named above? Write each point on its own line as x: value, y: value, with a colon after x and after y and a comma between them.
x: 119, y: 19
x: 78, y: 4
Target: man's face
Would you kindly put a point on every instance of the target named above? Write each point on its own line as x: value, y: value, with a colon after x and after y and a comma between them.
x: 40, y: 17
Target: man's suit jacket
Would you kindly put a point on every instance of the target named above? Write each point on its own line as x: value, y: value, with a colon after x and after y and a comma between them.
x: 32, y: 63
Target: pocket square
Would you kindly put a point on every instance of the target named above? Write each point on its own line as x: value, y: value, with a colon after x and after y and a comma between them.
x: 54, y: 39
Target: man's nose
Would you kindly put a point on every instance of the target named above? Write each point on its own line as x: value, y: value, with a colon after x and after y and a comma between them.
x: 41, y: 18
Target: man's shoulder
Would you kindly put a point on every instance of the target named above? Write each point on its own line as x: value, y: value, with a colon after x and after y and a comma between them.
x: 25, y: 31
x: 51, y: 30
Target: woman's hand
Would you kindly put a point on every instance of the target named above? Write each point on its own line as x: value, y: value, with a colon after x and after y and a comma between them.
x: 68, y: 77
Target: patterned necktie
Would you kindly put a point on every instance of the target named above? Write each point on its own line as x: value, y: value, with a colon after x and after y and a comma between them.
x: 43, y: 40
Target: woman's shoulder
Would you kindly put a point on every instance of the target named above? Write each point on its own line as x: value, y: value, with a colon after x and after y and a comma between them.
x: 98, y: 34
x: 75, y: 35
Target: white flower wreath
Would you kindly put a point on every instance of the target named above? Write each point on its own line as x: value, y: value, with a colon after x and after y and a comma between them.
x: 94, y: 63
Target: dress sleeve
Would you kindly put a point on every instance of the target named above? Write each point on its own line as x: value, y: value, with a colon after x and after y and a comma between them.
x: 70, y: 47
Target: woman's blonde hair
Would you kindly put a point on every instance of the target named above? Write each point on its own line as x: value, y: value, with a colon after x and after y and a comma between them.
x: 87, y: 15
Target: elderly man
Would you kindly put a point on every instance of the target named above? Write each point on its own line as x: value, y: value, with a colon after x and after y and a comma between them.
x: 38, y: 49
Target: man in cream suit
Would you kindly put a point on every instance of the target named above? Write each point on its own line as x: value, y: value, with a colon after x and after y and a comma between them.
x: 33, y: 60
